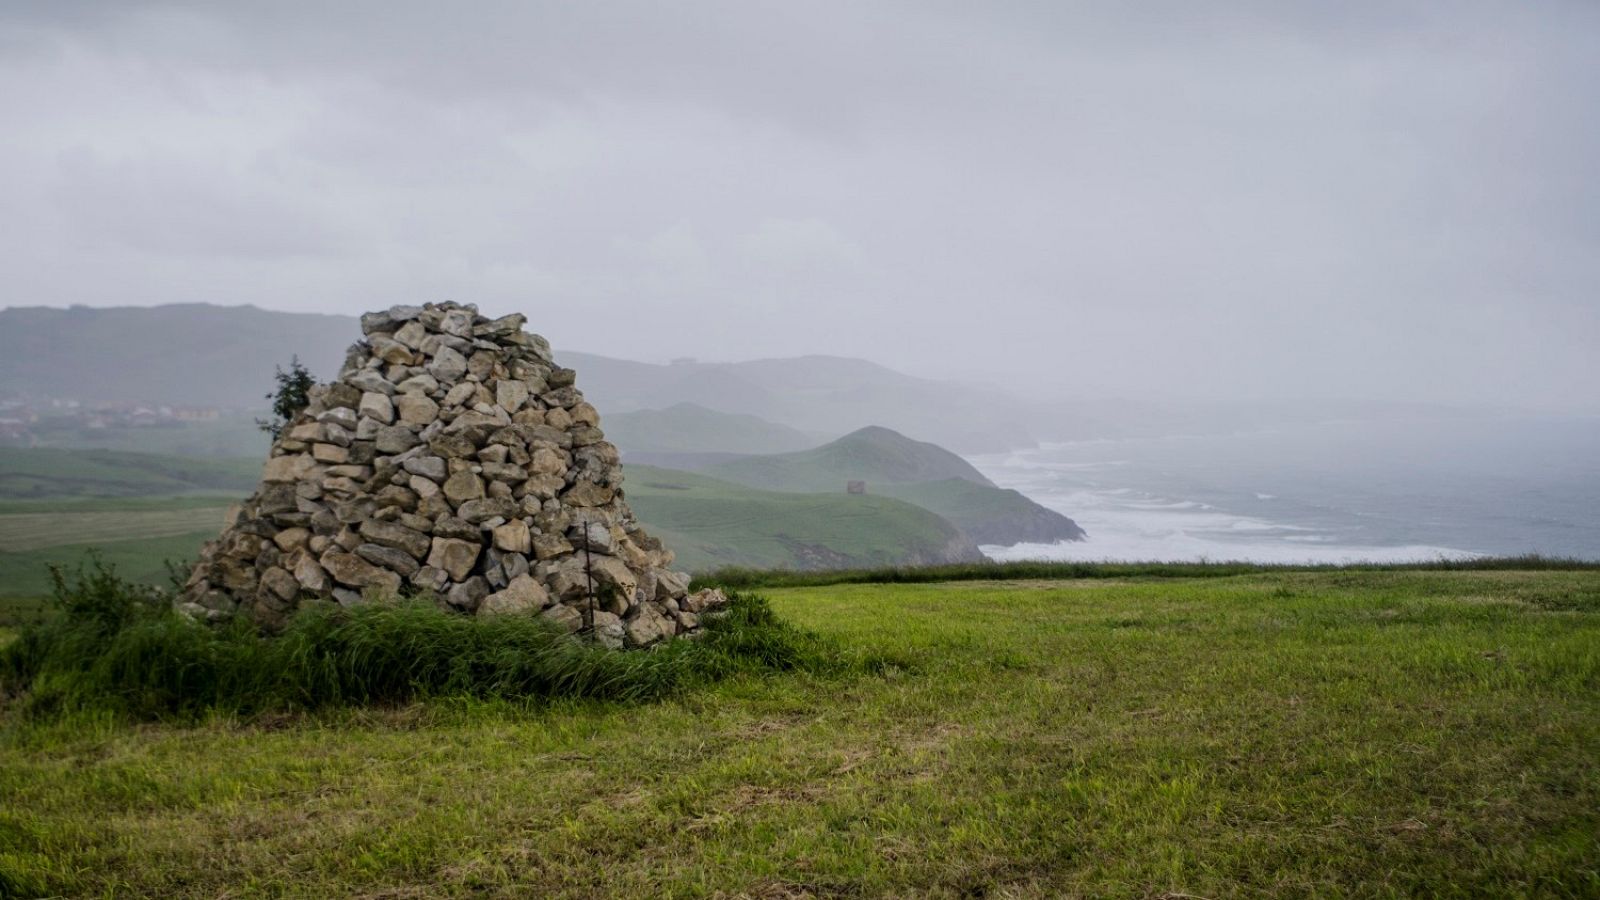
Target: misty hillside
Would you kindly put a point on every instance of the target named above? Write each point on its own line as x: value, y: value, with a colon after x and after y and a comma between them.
x: 917, y: 472
x: 56, y: 474
x: 190, y: 354
x: 692, y: 428
x: 987, y: 515
x: 827, y: 394
x: 712, y: 523
x: 224, y: 356
x: 875, y: 455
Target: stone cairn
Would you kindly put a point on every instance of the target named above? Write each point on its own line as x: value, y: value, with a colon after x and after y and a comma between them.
x: 451, y: 457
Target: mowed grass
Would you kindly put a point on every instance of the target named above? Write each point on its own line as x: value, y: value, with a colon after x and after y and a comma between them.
x: 24, y: 531
x: 27, y: 573
x: 138, y: 535
x: 53, y: 474
x: 1281, y: 734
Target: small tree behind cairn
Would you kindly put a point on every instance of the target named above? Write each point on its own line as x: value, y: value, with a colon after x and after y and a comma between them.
x: 289, y: 398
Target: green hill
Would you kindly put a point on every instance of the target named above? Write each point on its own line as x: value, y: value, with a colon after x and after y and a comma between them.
x: 692, y: 428
x: 988, y: 515
x: 873, y: 454
x: 918, y: 472
x: 712, y: 523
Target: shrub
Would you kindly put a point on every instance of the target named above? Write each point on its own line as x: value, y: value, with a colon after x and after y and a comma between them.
x: 112, y: 645
x: 290, y: 396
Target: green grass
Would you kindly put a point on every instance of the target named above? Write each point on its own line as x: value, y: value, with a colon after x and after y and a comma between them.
x: 37, y: 474
x: 735, y: 577
x: 110, y: 645
x: 20, y: 532
x: 137, y: 534
x: 27, y: 573
x: 72, y: 505
x: 230, y: 436
x: 1282, y: 733
x: 712, y: 523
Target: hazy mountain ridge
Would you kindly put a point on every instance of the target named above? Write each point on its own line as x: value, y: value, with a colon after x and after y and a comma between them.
x: 199, y: 354
x: 191, y: 354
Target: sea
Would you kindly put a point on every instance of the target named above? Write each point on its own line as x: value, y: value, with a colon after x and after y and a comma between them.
x: 1332, y: 492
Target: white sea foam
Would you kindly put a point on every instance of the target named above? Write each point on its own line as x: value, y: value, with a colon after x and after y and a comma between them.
x: 1128, y: 524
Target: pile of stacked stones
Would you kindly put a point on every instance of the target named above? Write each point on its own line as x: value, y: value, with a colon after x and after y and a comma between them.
x: 451, y: 457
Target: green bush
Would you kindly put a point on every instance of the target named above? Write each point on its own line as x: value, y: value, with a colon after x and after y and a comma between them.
x: 113, y: 645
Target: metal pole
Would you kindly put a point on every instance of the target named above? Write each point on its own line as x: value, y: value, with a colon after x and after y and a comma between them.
x: 588, y: 578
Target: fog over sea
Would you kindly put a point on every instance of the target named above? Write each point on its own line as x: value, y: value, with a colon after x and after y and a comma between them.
x: 1332, y: 492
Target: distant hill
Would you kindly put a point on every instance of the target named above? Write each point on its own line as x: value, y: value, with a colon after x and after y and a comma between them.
x: 821, y: 394
x: 872, y: 454
x: 692, y: 428
x: 988, y: 515
x: 190, y: 354
x: 223, y: 356
x: 712, y: 523
x: 918, y: 472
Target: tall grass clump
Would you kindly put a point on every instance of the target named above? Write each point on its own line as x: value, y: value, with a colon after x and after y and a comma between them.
x: 112, y: 645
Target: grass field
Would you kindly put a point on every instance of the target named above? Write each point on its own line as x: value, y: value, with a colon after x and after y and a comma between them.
x: 27, y: 573
x: 138, y: 535
x: 233, y: 435
x: 712, y: 523
x: 49, y: 474
x: 1331, y: 733
x: 25, y: 531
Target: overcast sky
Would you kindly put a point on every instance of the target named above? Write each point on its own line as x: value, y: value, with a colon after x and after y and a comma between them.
x: 1387, y: 200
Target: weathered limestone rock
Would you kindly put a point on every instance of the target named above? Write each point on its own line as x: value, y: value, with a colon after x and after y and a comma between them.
x: 378, y: 407
x: 352, y: 570
x: 523, y: 594
x: 513, y: 536
x: 451, y: 457
x: 609, y: 630
x: 463, y: 486
x: 416, y: 408
x: 454, y: 556
x: 647, y: 627
x: 563, y: 617
x: 390, y: 534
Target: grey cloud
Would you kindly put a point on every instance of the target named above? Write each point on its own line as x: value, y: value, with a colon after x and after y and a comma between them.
x: 1377, y: 200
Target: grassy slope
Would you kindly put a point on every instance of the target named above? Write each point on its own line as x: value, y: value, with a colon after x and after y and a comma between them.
x: 712, y: 523
x: 41, y: 473
x: 1286, y: 734
x: 691, y: 428
x: 26, y: 573
x: 920, y: 473
x: 988, y: 515
x: 57, y: 505
x: 874, y: 455
x: 234, y: 435
x: 28, y: 531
